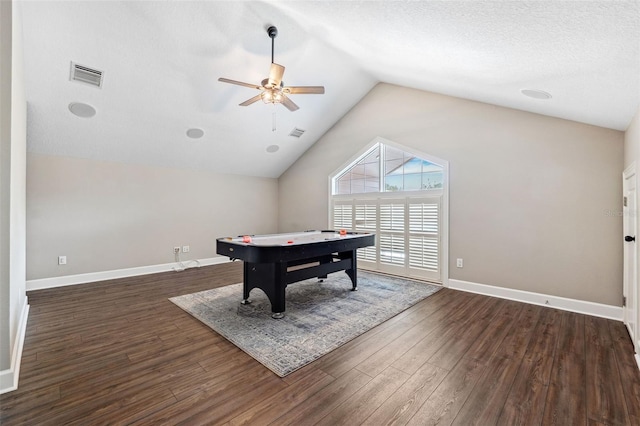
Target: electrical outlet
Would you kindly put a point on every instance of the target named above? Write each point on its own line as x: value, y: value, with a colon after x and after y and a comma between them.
x: 176, y: 250
x: 185, y: 249
x: 459, y: 263
x: 62, y: 260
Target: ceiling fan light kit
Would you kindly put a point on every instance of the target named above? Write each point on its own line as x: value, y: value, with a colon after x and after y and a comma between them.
x: 273, y: 89
x: 271, y: 96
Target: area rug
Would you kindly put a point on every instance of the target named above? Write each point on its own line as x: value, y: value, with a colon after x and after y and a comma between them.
x: 319, y: 317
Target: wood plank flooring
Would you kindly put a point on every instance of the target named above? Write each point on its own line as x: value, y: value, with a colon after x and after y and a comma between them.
x: 118, y: 352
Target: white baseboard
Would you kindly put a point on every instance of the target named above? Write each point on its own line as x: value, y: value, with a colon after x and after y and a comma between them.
x: 565, y: 304
x: 9, y: 378
x: 66, y: 280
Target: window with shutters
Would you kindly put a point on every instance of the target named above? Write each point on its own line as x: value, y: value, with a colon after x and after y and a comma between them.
x: 398, y: 195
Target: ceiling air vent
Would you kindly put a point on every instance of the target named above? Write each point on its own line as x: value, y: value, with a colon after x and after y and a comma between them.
x: 296, y: 133
x: 86, y: 75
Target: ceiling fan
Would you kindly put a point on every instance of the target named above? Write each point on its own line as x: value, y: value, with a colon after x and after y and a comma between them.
x: 273, y: 89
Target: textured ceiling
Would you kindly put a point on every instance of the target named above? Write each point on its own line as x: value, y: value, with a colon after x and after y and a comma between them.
x: 161, y: 62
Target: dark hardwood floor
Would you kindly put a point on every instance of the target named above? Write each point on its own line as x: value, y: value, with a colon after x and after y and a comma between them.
x: 118, y: 352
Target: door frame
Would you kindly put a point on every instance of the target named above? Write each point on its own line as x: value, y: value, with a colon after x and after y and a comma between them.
x: 630, y: 287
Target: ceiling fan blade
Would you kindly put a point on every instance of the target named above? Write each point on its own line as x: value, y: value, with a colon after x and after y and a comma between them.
x: 275, y: 74
x: 291, y: 106
x: 256, y: 98
x: 308, y: 90
x: 239, y: 83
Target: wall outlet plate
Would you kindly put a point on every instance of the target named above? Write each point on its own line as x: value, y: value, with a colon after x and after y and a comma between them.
x: 62, y: 260
x: 185, y: 249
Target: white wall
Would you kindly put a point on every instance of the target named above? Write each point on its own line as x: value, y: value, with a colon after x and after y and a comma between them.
x: 5, y: 179
x: 632, y: 141
x: 13, y: 301
x: 106, y: 216
x: 530, y: 195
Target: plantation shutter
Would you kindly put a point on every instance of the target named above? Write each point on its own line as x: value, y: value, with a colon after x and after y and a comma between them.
x: 343, y: 216
x: 424, y: 237
x: 392, y: 216
x: 366, y: 214
x: 391, y: 235
x: 407, y: 233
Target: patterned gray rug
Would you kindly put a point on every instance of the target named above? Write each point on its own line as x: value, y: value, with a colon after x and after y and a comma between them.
x: 319, y: 317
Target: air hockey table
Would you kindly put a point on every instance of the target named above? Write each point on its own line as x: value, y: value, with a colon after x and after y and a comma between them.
x: 271, y: 262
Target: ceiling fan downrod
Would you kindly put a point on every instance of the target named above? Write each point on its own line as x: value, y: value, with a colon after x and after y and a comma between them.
x: 273, y: 32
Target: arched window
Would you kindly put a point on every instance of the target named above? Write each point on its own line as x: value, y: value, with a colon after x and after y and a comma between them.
x: 398, y: 194
x: 400, y: 171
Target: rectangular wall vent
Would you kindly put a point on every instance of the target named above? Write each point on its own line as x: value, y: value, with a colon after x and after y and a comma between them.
x: 296, y: 133
x: 86, y: 75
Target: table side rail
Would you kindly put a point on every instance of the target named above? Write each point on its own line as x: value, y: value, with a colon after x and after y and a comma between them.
x: 258, y: 254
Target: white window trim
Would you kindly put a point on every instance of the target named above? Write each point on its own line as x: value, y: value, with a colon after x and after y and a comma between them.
x: 445, y: 192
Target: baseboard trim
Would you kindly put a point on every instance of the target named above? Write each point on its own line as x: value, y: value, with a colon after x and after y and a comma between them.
x: 65, y: 280
x: 9, y: 378
x: 565, y: 304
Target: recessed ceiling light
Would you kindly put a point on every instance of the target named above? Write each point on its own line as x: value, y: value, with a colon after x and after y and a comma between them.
x: 273, y: 148
x: 536, y: 94
x: 82, y: 110
x: 195, y: 133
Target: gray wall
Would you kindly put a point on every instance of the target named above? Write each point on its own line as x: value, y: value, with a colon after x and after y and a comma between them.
x: 106, y: 216
x: 532, y: 198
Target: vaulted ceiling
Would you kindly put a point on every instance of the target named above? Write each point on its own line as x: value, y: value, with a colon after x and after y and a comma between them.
x: 162, y: 60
